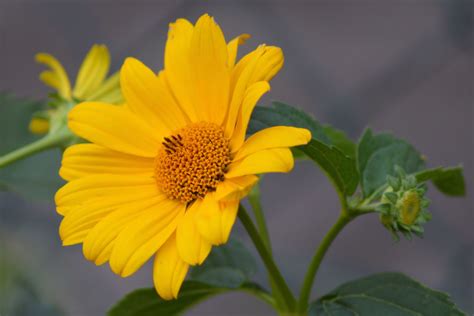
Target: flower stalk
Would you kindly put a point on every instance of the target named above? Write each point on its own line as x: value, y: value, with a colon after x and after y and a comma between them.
x: 342, y: 221
x: 47, y: 142
x: 275, y: 274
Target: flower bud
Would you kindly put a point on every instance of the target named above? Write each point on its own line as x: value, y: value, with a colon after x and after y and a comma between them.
x: 403, y: 205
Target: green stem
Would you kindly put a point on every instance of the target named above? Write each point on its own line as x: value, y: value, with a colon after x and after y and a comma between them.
x: 254, y: 199
x: 305, y: 292
x: 41, y: 144
x: 267, y: 259
x: 255, y: 202
x: 264, y: 296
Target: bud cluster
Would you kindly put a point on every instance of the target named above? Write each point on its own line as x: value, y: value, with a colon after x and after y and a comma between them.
x: 403, y: 205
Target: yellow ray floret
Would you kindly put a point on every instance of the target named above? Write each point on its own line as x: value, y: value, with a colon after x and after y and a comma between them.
x: 166, y: 171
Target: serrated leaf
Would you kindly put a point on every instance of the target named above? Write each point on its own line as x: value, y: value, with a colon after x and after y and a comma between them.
x: 388, y: 294
x: 229, y: 265
x: 36, y: 176
x: 377, y: 156
x: 449, y: 181
x: 331, y: 149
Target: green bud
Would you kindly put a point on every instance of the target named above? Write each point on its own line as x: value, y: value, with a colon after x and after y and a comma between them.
x: 403, y: 206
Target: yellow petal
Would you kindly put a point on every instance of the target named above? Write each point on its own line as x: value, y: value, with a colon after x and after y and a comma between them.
x: 57, y: 77
x: 114, y: 127
x: 92, y: 72
x: 177, y: 65
x: 101, y: 239
x: 215, y: 219
x: 109, y: 91
x: 235, y: 188
x: 79, y: 221
x: 113, y: 189
x: 264, y: 161
x: 39, y: 125
x: 149, y: 98
x: 233, y: 47
x: 274, y: 137
x: 144, y: 235
x: 169, y: 270
x: 87, y: 159
x: 209, y: 71
x: 260, y: 65
x: 252, y: 95
x: 192, y: 248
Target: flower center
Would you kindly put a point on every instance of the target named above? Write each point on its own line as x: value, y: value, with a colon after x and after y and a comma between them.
x: 192, y: 161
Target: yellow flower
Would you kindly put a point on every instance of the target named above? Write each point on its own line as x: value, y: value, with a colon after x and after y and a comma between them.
x: 164, y: 174
x: 91, y: 82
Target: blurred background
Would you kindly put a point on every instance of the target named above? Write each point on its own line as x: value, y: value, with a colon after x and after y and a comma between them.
x: 400, y: 66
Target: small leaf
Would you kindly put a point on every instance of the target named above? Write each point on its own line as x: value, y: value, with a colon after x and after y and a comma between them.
x: 36, y: 176
x: 449, y: 181
x: 331, y: 149
x: 229, y: 265
x: 391, y: 294
x: 378, y: 156
x: 392, y: 197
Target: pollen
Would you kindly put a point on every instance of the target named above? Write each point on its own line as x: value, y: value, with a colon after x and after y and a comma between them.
x: 191, y: 162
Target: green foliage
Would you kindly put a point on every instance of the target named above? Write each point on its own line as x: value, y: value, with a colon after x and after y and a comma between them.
x: 331, y: 149
x: 36, y: 176
x: 146, y: 302
x: 340, y: 168
x: 449, y: 181
x: 230, y: 266
x: 388, y: 294
x: 377, y: 155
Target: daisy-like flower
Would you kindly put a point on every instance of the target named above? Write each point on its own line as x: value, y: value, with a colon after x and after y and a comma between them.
x: 91, y: 83
x: 164, y: 173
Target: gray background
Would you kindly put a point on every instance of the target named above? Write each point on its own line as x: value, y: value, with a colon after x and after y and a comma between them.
x: 402, y: 66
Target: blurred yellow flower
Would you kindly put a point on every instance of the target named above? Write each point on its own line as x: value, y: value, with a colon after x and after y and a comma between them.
x: 164, y: 173
x: 91, y: 84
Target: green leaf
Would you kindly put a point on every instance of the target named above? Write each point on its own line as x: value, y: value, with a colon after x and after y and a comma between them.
x: 36, y: 176
x: 377, y: 156
x: 388, y: 294
x: 146, y: 302
x: 229, y: 266
x: 330, y: 148
x: 449, y: 181
x: 281, y: 114
x: 340, y: 140
x: 340, y: 168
